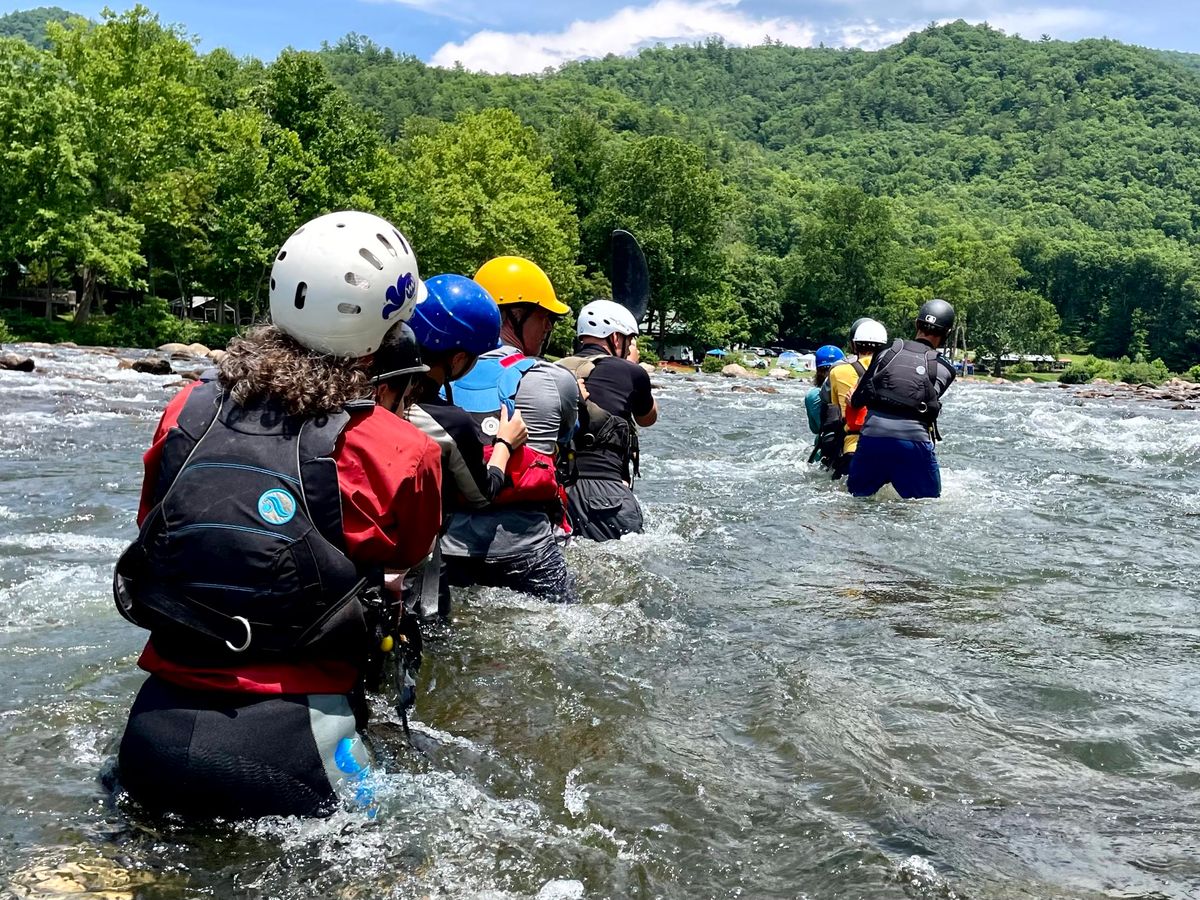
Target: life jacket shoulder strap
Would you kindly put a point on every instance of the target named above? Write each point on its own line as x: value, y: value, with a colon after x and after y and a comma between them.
x: 579, y: 366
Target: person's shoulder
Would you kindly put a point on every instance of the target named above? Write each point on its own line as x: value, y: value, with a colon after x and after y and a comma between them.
x: 450, y: 417
x: 384, y: 431
x: 562, y: 377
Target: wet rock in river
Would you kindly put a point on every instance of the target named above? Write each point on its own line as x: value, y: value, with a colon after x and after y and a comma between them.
x: 15, y: 363
x: 152, y: 365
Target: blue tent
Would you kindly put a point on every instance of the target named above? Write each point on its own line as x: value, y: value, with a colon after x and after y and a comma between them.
x: 716, y: 353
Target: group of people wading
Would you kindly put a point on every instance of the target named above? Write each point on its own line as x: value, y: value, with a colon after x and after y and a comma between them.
x: 309, y: 505
x: 875, y: 412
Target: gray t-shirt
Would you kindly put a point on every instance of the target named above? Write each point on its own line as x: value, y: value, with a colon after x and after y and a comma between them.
x: 548, y: 398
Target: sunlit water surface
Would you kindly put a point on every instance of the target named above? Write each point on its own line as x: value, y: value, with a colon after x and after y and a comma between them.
x: 778, y: 691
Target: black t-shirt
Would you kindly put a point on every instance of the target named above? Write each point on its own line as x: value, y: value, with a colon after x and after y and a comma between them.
x: 619, y: 387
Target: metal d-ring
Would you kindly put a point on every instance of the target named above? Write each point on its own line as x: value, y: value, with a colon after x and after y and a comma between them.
x: 246, y: 625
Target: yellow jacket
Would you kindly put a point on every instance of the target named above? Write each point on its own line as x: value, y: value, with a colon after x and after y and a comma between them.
x: 843, y: 379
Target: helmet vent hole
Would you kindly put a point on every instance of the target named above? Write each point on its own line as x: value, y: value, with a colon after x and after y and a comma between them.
x: 272, y: 284
x: 350, y: 309
x: 301, y: 294
x: 400, y: 238
x: 390, y: 248
x: 371, y: 258
x: 341, y: 224
x: 357, y: 280
x: 282, y: 255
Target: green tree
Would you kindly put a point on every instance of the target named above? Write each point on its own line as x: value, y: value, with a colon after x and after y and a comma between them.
x: 480, y: 188
x: 661, y: 190
x: 146, y: 119
x: 843, y: 265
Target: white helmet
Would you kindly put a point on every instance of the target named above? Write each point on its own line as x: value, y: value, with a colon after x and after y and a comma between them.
x: 600, y: 318
x: 341, y: 281
x: 869, y: 332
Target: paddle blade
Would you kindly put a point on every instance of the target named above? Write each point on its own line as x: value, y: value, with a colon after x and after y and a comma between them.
x: 630, y: 276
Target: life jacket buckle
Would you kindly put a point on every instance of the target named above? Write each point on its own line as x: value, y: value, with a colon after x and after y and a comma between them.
x: 246, y: 646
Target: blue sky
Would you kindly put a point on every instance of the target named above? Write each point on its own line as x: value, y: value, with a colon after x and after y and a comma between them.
x: 527, y: 35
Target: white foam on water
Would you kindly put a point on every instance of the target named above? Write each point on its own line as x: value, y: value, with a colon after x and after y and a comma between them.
x: 567, y: 889
x: 53, y: 595
x: 575, y: 795
x: 106, y: 548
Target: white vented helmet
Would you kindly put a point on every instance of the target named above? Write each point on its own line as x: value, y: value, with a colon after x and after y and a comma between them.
x: 341, y: 281
x: 600, y: 318
x: 870, y: 332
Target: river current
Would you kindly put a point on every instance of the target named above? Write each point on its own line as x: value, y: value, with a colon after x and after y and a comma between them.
x: 778, y: 691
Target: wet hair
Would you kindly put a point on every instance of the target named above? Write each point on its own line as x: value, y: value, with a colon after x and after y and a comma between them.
x: 266, y: 364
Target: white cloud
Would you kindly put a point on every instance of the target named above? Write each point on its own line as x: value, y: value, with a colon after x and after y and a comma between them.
x: 666, y: 21
x: 684, y: 21
x: 1060, y: 22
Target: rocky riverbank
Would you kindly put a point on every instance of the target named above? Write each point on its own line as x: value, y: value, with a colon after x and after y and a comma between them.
x: 185, y: 360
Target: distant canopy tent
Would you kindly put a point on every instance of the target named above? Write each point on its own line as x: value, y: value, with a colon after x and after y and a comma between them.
x: 716, y: 353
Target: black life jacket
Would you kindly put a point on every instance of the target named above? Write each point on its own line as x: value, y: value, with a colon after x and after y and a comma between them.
x: 598, y: 428
x: 903, y: 382
x: 832, y: 437
x: 243, y: 555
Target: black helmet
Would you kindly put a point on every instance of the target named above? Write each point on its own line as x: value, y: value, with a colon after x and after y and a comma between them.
x: 854, y: 328
x: 936, y: 317
x: 399, y: 354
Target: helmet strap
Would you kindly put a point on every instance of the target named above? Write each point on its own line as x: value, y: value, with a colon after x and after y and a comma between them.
x: 517, y: 324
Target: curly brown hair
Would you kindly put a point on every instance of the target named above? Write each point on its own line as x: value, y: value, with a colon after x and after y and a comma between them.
x: 265, y: 363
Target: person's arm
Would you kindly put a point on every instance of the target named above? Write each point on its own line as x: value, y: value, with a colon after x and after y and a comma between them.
x: 642, y: 403
x: 390, y: 478
x: 948, y: 373
x: 812, y: 406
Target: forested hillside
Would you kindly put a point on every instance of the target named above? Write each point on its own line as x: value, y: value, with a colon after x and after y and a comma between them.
x: 1049, y: 189
x: 30, y: 24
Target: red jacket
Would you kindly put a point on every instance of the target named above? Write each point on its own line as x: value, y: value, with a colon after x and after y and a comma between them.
x: 390, y: 478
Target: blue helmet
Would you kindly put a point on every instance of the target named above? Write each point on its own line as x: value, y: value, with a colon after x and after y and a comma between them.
x: 829, y: 355
x: 458, y: 314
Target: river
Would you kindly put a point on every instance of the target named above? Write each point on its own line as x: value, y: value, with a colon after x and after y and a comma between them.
x: 778, y: 691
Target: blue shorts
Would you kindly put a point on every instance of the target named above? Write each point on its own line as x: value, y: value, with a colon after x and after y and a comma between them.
x: 911, y: 467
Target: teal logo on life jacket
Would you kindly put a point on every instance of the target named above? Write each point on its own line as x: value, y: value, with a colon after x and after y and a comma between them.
x: 276, y: 506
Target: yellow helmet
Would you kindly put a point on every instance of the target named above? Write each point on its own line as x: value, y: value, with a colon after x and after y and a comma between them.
x: 514, y: 279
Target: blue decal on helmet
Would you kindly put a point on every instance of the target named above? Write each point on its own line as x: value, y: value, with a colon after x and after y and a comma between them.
x: 400, y: 293
x: 276, y: 506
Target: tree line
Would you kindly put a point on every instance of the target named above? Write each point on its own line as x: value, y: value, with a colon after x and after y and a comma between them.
x: 1048, y: 189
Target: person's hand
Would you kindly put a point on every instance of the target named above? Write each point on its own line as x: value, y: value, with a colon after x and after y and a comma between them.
x: 583, y: 391
x: 512, y: 430
x: 634, y: 355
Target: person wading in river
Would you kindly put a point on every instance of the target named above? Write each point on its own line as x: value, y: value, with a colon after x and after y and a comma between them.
x: 619, y: 399
x: 902, y: 392
x: 816, y: 401
x: 843, y: 419
x: 515, y: 542
x: 274, y: 500
x: 457, y: 323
